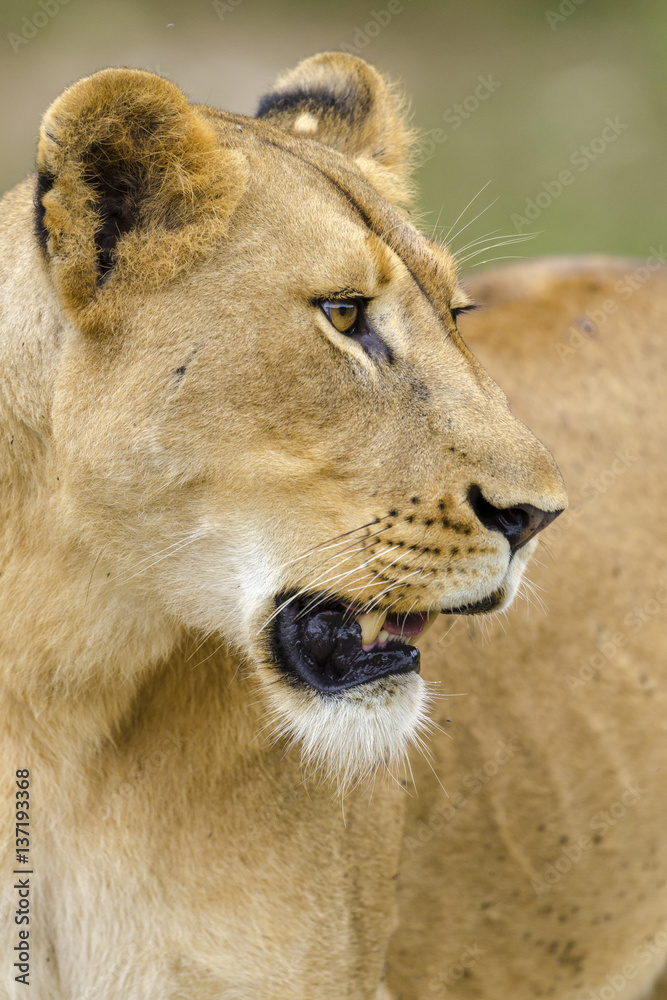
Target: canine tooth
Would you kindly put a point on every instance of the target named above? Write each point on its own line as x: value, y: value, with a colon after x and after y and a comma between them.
x: 431, y: 620
x: 371, y: 623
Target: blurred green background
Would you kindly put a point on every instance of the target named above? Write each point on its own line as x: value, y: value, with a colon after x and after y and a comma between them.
x: 512, y: 92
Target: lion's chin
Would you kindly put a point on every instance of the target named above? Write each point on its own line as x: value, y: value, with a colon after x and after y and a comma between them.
x: 350, y: 700
x: 348, y: 735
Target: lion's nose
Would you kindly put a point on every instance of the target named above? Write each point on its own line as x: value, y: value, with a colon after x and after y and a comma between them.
x: 518, y: 524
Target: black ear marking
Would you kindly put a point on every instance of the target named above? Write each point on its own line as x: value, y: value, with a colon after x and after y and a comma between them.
x: 118, y: 191
x: 349, y: 106
x: 117, y: 218
x: 115, y: 203
x: 45, y: 182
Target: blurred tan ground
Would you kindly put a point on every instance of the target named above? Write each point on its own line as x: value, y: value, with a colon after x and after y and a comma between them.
x: 554, y: 86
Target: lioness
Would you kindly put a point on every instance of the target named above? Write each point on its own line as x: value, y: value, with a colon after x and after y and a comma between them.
x: 247, y: 461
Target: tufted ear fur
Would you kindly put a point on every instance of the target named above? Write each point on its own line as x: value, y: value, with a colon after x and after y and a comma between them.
x: 340, y: 100
x: 133, y: 183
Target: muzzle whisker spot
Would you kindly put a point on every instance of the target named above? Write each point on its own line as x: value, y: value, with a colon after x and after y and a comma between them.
x: 357, y: 546
x: 340, y: 540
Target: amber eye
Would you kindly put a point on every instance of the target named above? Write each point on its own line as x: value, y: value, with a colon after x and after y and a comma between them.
x: 342, y: 315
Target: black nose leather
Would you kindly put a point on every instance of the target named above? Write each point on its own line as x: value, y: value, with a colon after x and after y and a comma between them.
x: 518, y: 524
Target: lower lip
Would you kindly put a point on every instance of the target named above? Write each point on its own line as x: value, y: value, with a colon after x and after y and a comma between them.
x: 325, y: 652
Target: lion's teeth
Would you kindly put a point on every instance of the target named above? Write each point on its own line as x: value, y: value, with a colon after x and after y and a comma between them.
x: 371, y: 624
x: 383, y: 636
x: 431, y: 620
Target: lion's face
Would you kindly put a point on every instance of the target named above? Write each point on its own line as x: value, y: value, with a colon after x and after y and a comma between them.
x: 265, y: 416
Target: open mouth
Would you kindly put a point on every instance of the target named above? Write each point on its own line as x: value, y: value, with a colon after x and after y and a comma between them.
x: 332, y: 646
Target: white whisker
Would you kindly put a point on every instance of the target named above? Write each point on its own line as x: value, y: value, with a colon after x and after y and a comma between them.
x: 461, y: 214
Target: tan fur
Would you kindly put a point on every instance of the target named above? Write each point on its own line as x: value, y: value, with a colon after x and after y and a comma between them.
x: 184, y: 436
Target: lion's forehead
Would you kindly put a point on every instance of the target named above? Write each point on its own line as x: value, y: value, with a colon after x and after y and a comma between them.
x: 317, y: 167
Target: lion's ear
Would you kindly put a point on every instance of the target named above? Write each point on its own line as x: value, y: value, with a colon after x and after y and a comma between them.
x: 133, y: 182
x: 340, y: 100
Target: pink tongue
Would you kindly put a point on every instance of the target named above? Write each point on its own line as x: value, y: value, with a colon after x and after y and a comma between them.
x: 405, y: 624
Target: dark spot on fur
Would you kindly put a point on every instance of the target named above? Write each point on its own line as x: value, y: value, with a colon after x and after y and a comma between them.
x: 410, y: 519
x: 454, y: 551
x: 471, y: 550
x: 586, y: 326
x: 414, y: 499
x: 436, y: 552
x: 179, y: 373
x: 441, y: 504
x: 393, y: 513
x: 419, y: 391
x: 429, y: 521
x: 446, y: 523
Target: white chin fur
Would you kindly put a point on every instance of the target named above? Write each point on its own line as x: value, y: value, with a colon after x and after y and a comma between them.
x: 348, y: 735
x: 516, y: 570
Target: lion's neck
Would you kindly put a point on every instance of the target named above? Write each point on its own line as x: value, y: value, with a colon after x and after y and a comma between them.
x: 63, y: 643
x: 68, y: 728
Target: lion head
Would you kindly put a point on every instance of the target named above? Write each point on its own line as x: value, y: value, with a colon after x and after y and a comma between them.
x: 265, y: 425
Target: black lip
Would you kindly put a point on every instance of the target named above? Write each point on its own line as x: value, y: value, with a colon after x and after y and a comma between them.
x: 487, y: 604
x: 320, y: 645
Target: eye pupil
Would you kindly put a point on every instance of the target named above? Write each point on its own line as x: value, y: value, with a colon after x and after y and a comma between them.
x: 341, y: 315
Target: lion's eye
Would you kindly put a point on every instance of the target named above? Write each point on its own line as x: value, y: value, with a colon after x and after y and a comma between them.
x: 342, y: 315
